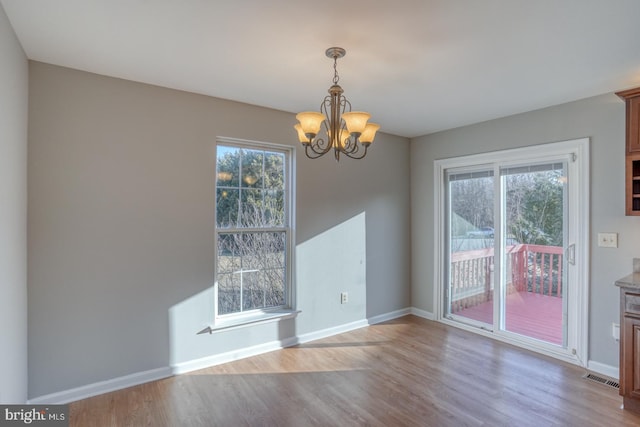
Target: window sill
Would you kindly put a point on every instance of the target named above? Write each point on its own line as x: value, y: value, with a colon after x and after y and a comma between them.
x: 249, y: 320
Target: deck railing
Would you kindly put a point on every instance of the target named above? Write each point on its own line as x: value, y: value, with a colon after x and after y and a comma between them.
x: 530, y: 268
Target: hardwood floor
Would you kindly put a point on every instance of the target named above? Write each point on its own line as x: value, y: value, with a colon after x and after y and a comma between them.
x: 406, y: 372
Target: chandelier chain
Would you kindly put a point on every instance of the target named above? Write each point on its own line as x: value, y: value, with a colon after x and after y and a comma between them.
x: 336, y: 78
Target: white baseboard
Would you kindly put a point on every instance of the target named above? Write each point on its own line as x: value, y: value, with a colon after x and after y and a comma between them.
x: 601, y: 368
x: 101, y: 387
x: 89, y: 390
x: 388, y: 316
x: 230, y: 356
x: 422, y: 313
x: 324, y: 333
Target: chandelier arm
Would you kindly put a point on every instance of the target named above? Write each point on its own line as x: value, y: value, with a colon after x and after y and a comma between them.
x: 314, y: 154
x: 351, y: 145
x: 344, y: 103
x: 353, y: 156
x: 327, y: 110
x: 319, y: 146
x: 347, y: 145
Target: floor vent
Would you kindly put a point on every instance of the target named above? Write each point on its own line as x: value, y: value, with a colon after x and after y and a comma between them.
x: 601, y: 380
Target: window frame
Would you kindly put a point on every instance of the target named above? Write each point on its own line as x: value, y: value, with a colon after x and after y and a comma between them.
x: 264, y: 314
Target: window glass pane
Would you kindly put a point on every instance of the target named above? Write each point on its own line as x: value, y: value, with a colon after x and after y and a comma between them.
x: 252, y: 209
x: 274, y: 213
x: 274, y: 171
x: 252, y: 290
x: 227, y: 205
x: 252, y: 168
x: 228, y: 293
x: 262, y: 208
x: 228, y: 166
x: 229, y: 256
x: 534, y: 203
x: 263, y: 250
x: 276, y: 249
x: 274, y: 291
x: 252, y: 251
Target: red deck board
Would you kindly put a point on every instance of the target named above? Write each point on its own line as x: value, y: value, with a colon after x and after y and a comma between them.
x: 533, y: 315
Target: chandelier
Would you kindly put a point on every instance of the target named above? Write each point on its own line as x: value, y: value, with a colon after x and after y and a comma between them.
x: 347, y: 132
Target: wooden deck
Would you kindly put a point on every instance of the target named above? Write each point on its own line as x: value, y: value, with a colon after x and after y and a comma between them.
x: 530, y: 314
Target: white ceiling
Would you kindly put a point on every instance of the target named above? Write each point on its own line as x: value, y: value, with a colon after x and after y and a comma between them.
x: 418, y: 66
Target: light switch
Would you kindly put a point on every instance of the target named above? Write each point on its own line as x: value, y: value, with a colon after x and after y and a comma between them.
x: 608, y: 240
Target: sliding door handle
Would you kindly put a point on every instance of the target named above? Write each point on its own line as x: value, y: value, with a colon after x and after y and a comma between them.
x: 570, y: 254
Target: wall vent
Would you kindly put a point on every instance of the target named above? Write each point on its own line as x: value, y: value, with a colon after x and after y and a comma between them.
x: 602, y: 380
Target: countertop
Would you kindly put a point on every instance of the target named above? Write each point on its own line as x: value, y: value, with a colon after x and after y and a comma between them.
x: 630, y: 281
x: 633, y: 279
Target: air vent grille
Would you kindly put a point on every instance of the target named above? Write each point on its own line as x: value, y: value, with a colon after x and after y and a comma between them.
x: 601, y: 380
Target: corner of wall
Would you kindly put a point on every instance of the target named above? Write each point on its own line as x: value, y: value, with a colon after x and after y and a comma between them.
x: 14, y: 82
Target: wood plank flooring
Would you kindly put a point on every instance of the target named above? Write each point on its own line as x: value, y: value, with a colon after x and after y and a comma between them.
x: 405, y: 372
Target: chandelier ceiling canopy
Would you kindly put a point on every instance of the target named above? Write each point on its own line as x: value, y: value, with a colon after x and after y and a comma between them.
x: 347, y: 132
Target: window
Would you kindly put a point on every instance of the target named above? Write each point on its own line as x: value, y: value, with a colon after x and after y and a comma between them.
x: 253, y: 202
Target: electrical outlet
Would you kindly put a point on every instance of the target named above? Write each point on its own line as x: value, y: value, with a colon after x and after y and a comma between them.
x: 344, y: 298
x: 608, y: 240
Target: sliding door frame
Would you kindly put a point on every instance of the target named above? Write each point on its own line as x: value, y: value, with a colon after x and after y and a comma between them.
x: 577, y: 151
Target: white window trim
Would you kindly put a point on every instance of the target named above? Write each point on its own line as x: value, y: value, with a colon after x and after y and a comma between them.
x: 231, y: 321
x: 578, y: 350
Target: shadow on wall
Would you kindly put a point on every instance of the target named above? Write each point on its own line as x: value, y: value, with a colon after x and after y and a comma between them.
x: 326, y: 265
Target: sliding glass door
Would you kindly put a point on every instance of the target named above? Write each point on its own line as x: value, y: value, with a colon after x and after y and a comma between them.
x: 508, y: 249
x: 471, y: 241
x: 535, y: 209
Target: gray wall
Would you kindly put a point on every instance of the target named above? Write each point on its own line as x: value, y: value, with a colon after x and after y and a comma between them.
x: 121, y: 231
x: 13, y: 213
x: 600, y: 118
